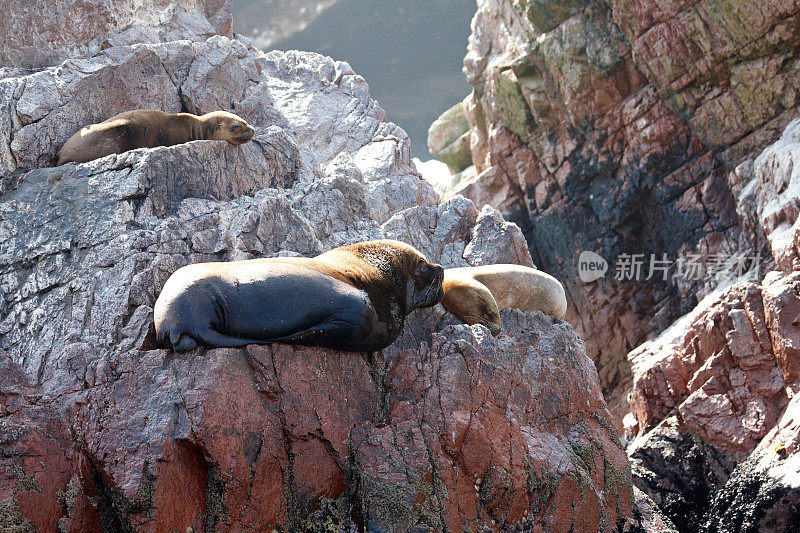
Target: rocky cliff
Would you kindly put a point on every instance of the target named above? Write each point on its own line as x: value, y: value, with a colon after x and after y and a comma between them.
x: 611, y: 127
x: 447, y: 429
x: 625, y: 128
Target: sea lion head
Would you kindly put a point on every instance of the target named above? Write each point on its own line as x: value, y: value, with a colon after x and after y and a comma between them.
x: 424, y: 286
x: 472, y: 301
x: 224, y: 126
x: 406, y: 270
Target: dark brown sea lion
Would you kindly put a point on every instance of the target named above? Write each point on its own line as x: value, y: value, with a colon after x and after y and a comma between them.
x: 528, y: 289
x: 351, y: 298
x: 148, y: 128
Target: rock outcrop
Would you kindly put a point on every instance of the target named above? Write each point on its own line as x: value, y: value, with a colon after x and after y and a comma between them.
x: 625, y: 128
x: 463, y: 432
x: 719, y: 388
x: 611, y: 127
x: 447, y: 429
x: 41, y: 476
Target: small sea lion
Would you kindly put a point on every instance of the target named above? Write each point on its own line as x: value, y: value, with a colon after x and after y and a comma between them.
x: 511, y: 286
x: 148, y: 128
x: 471, y: 301
x: 351, y: 298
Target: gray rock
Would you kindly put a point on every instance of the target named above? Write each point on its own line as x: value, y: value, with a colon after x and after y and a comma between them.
x: 36, y: 34
x: 87, y: 248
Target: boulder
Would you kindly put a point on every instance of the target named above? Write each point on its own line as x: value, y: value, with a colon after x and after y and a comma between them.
x: 448, y: 139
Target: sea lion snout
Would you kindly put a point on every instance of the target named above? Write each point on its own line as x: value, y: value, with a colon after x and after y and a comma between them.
x: 427, y: 280
x: 246, y: 136
x: 470, y: 300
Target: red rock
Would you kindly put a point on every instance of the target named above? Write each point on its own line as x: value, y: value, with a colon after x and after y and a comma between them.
x: 40, y: 485
x: 465, y: 432
x: 593, y: 127
x: 718, y: 370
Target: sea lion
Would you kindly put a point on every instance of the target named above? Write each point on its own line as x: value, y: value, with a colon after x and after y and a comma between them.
x: 471, y: 301
x: 148, y: 128
x: 351, y: 298
x: 511, y: 286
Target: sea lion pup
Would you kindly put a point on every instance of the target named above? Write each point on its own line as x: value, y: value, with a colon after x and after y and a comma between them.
x: 148, y: 128
x: 351, y: 298
x: 471, y: 301
x: 511, y: 286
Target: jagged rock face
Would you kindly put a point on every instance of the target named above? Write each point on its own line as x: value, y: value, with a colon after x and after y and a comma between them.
x: 730, y: 69
x: 633, y: 127
x: 763, y: 492
x: 446, y: 428
x: 724, y: 379
x: 721, y: 374
x: 611, y: 127
x: 679, y: 472
x: 41, y: 33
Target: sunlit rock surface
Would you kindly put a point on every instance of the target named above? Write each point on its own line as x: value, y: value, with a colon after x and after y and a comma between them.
x: 449, y: 428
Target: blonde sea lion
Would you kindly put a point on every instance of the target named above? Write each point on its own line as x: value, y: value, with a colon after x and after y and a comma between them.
x: 148, y: 128
x: 511, y: 286
x: 471, y: 301
x: 351, y: 298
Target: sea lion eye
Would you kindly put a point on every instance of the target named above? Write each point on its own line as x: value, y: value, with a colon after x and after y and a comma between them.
x: 236, y: 127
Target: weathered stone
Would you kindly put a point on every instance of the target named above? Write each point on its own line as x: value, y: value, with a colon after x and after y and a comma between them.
x: 679, y: 472
x: 717, y: 370
x: 651, y: 519
x: 274, y: 436
x: 40, y: 479
x: 421, y: 436
x: 592, y: 126
x: 763, y: 492
x: 38, y: 34
x: 777, y: 181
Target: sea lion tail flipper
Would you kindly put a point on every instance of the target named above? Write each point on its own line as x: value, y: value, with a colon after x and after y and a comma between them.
x: 180, y: 341
x: 186, y: 344
x: 175, y: 335
x: 219, y: 340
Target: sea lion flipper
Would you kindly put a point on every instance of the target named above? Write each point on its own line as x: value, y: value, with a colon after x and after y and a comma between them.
x: 210, y: 337
x: 185, y: 344
x: 317, y: 333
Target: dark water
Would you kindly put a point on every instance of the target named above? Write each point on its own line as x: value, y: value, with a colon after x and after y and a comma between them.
x: 409, y: 51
